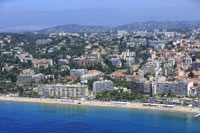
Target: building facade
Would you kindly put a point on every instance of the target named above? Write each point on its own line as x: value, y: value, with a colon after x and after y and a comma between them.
x: 64, y: 91
x: 29, y: 75
x: 37, y: 63
x: 101, y: 86
x: 178, y: 88
x: 78, y: 72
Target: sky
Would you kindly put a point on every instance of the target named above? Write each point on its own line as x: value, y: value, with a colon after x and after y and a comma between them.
x: 43, y: 13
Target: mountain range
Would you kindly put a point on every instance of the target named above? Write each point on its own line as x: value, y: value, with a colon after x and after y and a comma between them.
x: 138, y: 26
x: 76, y: 28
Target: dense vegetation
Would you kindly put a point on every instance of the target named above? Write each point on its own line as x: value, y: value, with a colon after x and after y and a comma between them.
x: 120, y: 96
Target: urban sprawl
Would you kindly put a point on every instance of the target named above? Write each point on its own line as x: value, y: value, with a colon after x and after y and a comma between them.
x: 146, y: 66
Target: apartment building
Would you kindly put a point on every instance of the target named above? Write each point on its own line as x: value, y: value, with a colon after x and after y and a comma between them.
x: 181, y: 88
x: 37, y: 63
x: 64, y: 91
x: 101, y: 86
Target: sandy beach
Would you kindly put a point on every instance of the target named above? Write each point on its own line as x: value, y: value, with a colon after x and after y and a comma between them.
x: 103, y: 104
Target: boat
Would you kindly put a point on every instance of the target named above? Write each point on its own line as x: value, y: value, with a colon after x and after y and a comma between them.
x: 196, y: 116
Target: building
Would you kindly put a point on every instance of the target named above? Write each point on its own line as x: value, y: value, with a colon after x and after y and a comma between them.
x: 116, y: 62
x: 121, y: 33
x: 36, y: 78
x: 101, y: 86
x: 92, y: 74
x: 118, y: 75
x: 37, y: 63
x: 143, y: 86
x: 43, y: 41
x: 87, y: 62
x: 7, y: 54
x: 196, y: 65
x: 171, y: 61
x: 64, y: 91
x: 181, y: 88
x: 127, y: 54
x: 29, y: 75
x: 63, y: 62
x: 151, y: 67
x: 28, y: 72
x: 158, y: 44
x: 187, y: 61
x: 8, y: 68
x: 78, y: 72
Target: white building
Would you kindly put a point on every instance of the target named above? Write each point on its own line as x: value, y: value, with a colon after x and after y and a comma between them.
x: 101, y: 86
x: 178, y: 88
x: 65, y: 91
x: 78, y: 72
x: 121, y: 33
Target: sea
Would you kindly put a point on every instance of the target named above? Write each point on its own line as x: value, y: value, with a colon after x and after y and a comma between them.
x: 21, y: 117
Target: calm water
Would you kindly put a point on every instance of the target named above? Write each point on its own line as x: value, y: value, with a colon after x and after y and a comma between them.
x: 32, y: 117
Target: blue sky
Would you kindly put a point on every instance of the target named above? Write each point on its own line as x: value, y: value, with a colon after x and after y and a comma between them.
x: 27, y: 5
x: 94, y: 12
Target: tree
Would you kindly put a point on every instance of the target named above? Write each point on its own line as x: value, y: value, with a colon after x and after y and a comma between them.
x: 119, y: 96
x: 90, y: 83
x: 13, y: 77
x: 191, y: 75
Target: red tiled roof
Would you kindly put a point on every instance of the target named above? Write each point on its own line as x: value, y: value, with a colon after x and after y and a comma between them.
x: 178, y: 77
x: 193, y: 87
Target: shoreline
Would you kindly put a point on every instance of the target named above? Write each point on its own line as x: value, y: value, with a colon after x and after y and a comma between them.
x: 129, y: 105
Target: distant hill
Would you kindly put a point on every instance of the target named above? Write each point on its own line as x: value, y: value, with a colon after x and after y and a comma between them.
x: 74, y: 29
x: 149, y: 26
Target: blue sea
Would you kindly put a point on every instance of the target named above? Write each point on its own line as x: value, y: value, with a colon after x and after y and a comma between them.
x: 16, y: 117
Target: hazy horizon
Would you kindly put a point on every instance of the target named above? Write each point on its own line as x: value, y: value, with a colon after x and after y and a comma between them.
x: 47, y: 13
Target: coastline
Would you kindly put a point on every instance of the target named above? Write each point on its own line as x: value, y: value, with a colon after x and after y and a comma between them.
x: 102, y: 104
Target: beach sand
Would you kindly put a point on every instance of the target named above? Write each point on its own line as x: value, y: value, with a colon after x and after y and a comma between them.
x: 102, y: 104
